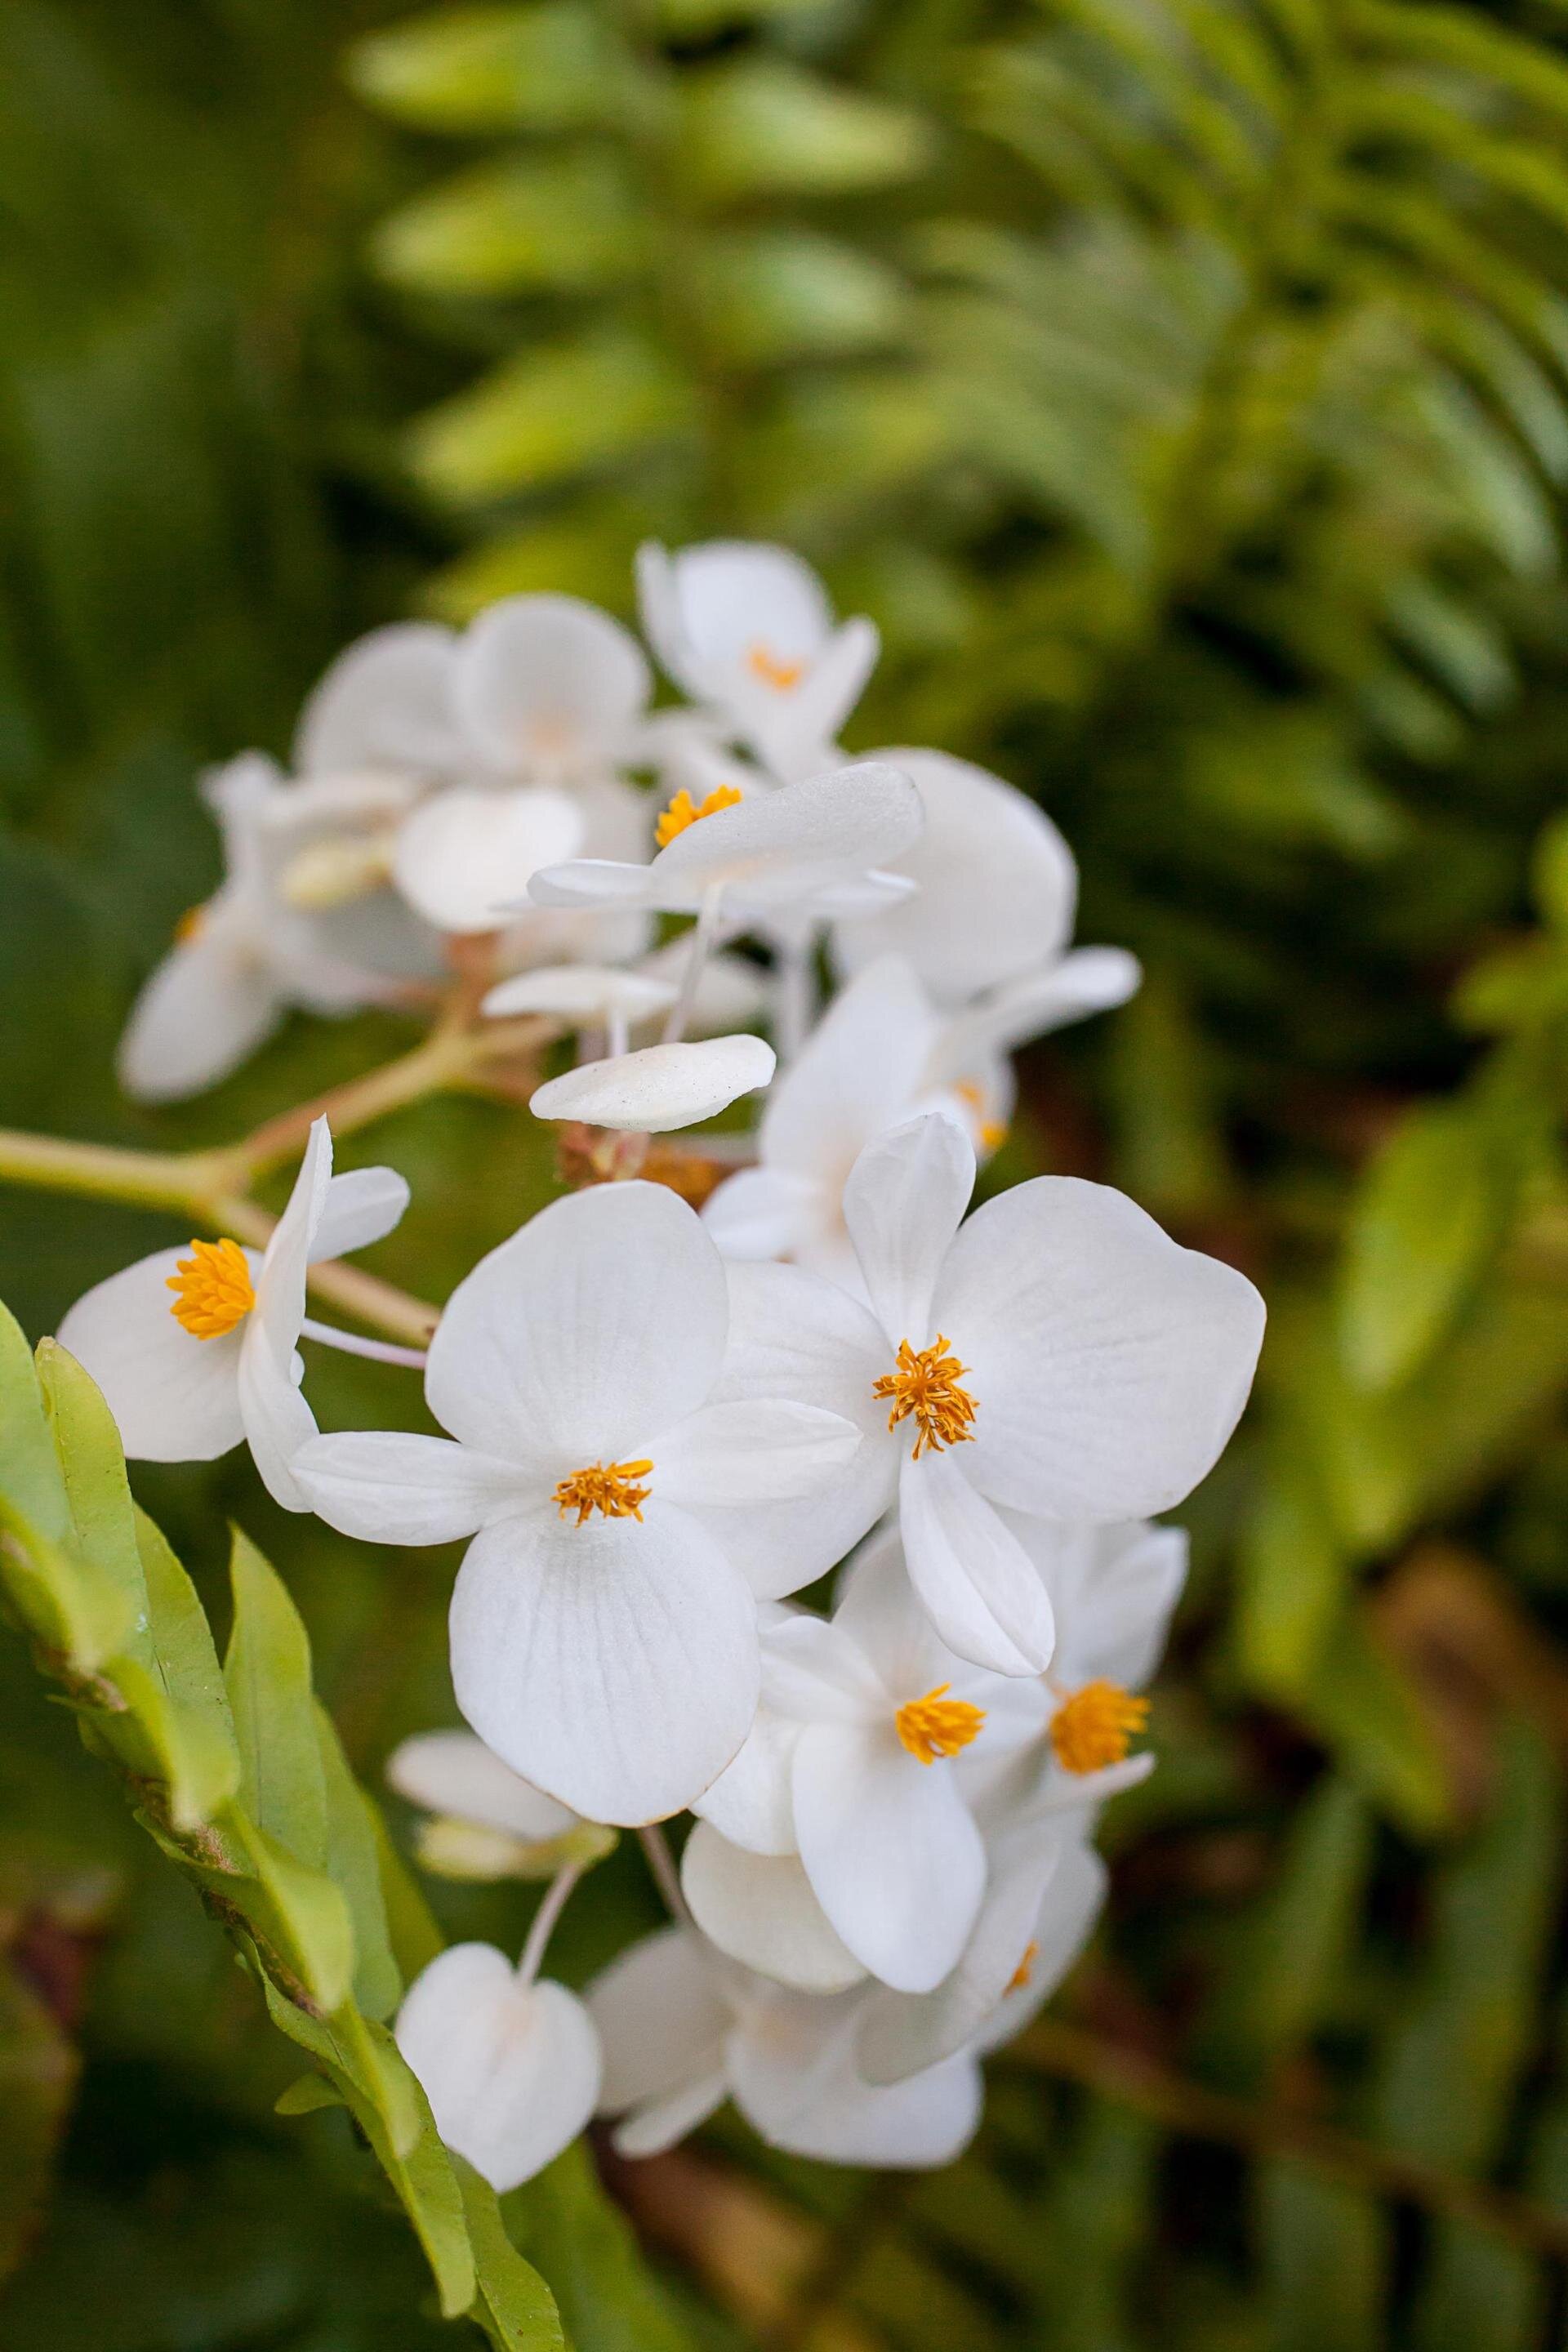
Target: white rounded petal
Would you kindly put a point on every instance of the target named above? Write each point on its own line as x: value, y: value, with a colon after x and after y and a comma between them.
x: 277, y: 1421
x: 709, y: 608
x: 209, y: 1004
x: 756, y: 1450
x: 467, y: 854
x: 1112, y: 1590
x: 452, y: 1772
x: 661, y: 2017
x: 601, y: 1322
x: 750, y: 1803
x: 781, y: 845
x: 386, y: 702
x: 548, y: 683
x: 813, y: 1673
x: 974, y: 1580
x: 1069, y: 1909
x: 614, y: 1664
x: 759, y: 1909
x: 174, y: 1398
x: 658, y: 1087
x: 893, y: 1856
x: 878, y: 1609
x: 997, y: 883
x: 581, y: 992
x: 763, y: 1213
x: 859, y: 1072
x: 658, y: 2124
x: 1110, y: 1365
x: 804, y: 724
x: 799, y: 2089
x: 511, y: 2070
x: 360, y: 1208
x: 906, y: 1194
x: 388, y: 1485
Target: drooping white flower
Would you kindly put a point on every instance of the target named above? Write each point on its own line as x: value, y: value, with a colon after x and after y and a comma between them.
x: 483, y: 1821
x: 188, y: 1377
x: 659, y: 1087
x: 585, y: 995
x: 511, y: 2069
x: 1056, y: 1354
x: 604, y: 1638
x: 747, y: 630
x: 682, y: 2026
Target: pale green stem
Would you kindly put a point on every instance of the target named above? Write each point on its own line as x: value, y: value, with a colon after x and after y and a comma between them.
x: 543, y: 1925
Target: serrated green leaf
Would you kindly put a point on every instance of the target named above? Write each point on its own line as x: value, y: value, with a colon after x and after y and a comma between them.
x: 515, y: 2307
x: 769, y: 295
x: 1359, y: 1703
x: 98, y: 1494
x: 77, y: 1611
x: 267, y: 1674
x: 305, y: 2097
x: 310, y: 1933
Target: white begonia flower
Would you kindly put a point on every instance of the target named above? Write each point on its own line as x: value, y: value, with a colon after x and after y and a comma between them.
x: 246, y: 957
x: 681, y: 2028
x: 188, y: 1377
x: 385, y: 705
x: 511, y: 2069
x: 746, y: 629
x: 997, y: 885
x: 604, y: 1640
x: 816, y: 849
x: 1056, y: 1354
x: 659, y: 1087
x: 854, y: 1759
x: 464, y: 850
x: 482, y: 1820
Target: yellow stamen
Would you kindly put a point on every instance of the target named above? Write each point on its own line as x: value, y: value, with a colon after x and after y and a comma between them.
x: 1093, y: 1729
x: 608, y: 1486
x: 684, y: 811
x: 781, y: 674
x: 925, y: 1389
x: 937, y: 1726
x: 990, y: 1133
x: 993, y: 1134
x: 191, y: 925
x: 212, y: 1290
x: 1026, y: 1968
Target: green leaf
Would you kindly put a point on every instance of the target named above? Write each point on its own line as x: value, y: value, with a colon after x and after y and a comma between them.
x: 761, y: 126
x: 515, y: 2307
x: 76, y: 1610
x: 552, y: 413
x: 267, y: 1674
x: 188, y: 1711
x: 549, y: 67
x: 353, y: 1863
x: 1327, y: 2254
x: 556, y: 221
x: 563, y: 2221
x: 769, y: 295
x: 1359, y: 1704
x: 1294, y: 1574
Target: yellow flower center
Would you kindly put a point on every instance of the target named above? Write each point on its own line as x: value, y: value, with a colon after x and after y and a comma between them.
x: 608, y: 1486
x: 991, y: 1133
x: 1093, y: 1729
x: 780, y: 675
x: 684, y: 811
x: 925, y: 1388
x: 192, y: 924
x: 936, y: 1725
x: 212, y: 1290
x: 1026, y: 1968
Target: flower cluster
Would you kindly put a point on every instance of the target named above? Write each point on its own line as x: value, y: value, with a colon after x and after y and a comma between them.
x: 672, y: 1406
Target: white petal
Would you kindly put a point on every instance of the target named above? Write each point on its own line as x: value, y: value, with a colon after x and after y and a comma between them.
x: 208, y: 1004
x: 708, y: 608
x: 277, y: 1421
x: 452, y: 1772
x: 467, y: 852
x: 661, y: 2018
x: 763, y: 1212
x: 549, y: 683
x: 581, y: 992
x: 596, y: 882
x: 974, y: 1580
x: 767, y: 1450
x: 1110, y: 1365
x: 878, y: 1609
x: 386, y: 702
x: 660, y: 1087
x: 361, y: 1207
x: 1112, y: 1590
x: 650, y: 2129
x: 1071, y: 1905
x: 813, y: 1673
x: 388, y: 1486
x: 759, y: 1909
x: 807, y: 2098
x: 1088, y: 979
x: 902, y: 1203
x: 893, y: 1854
x: 601, y: 1322
x: 174, y: 1398
x: 286, y: 1260
x: 750, y: 1803
x: 997, y: 883
x: 614, y: 1664
x: 786, y: 843
x: 512, y: 2072
x: 825, y: 696
x: 859, y: 1073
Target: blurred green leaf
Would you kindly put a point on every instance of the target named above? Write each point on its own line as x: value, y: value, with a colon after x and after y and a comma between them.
x: 546, y: 66
x: 548, y: 414
x: 761, y: 126
x: 565, y: 221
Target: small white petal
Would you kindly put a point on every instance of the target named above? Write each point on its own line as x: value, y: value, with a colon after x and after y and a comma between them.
x: 1069, y: 1908
x: 902, y: 1203
x: 174, y: 1398
x: 467, y: 852
x: 652, y: 2128
x: 792, y: 2073
x: 764, y: 1450
x: 361, y: 1207
x: 763, y: 1213
x: 277, y: 1421
x: 548, y: 684
x: 759, y: 1909
x: 454, y: 1773
x: 386, y: 702
x: 661, y: 2017
x: 974, y: 1579
x: 658, y: 1087
x: 387, y: 1486
x: 581, y: 992
x: 750, y: 1803
x: 512, y: 2072
x: 208, y: 1004
x: 1112, y: 1591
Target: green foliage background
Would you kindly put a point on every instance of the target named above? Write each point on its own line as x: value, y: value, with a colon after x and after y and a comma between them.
x: 1183, y: 385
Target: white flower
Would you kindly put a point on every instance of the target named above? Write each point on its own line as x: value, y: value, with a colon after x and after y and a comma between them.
x: 189, y: 1376
x: 658, y: 1087
x: 1056, y: 1354
x: 585, y: 995
x: 997, y: 885
x: 853, y: 1765
x: 681, y: 2028
x: 747, y: 629
x: 511, y: 2070
x: 604, y: 1637
x: 464, y: 850
x: 814, y: 849
x: 484, y: 1821
x: 247, y: 956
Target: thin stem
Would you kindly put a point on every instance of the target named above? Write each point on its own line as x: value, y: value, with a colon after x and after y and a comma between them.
x: 618, y: 1035
x: 666, y: 1876
x: 542, y: 1926
x: 795, y: 995
x: 702, y: 936
x: 348, y: 1343
x: 150, y: 1180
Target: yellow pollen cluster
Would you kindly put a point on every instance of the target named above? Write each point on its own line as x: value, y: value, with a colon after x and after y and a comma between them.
x: 937, y: 1726
x: 781, y: 674
x: 608, y: 1486
x: 192, y: 924
x: 684, y: 811
x: 212, y: 1289
x: 992, y: 1132
x: 1026, y: 1968
x: 925, y: 1389
x: 1093, y: 1729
